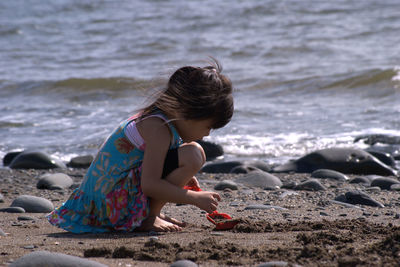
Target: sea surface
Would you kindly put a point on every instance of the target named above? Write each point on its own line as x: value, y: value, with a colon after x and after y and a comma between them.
x: 307, y: 74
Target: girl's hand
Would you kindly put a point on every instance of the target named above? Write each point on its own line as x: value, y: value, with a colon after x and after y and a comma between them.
x: 193, y: 182
x: 207, y: 201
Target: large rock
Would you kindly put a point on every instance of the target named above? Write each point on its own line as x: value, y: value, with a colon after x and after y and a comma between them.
x: 260, y: 179
x: 345, y: 160
x: 52, y: 259
x: 81, y: 162
x: 54, y: 181
x: 9, y: 157
x: 35, y: 160
x: 33, y: 204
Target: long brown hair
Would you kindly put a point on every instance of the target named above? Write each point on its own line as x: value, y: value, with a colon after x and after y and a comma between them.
x: 196, y: 93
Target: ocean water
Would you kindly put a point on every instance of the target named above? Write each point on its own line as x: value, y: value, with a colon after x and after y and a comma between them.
x: 307, y: 74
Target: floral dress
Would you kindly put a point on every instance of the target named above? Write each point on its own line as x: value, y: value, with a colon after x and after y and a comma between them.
x: 110, y: 197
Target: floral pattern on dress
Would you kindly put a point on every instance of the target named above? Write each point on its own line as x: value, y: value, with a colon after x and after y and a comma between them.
x: 110, y: 196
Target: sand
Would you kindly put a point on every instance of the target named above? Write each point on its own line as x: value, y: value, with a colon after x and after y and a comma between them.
x: 300, y: 227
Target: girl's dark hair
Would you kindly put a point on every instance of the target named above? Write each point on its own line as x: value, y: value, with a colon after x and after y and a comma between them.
x: 195, y: 93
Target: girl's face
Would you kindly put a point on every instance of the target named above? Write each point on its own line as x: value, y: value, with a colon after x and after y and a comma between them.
x: 193, y: 130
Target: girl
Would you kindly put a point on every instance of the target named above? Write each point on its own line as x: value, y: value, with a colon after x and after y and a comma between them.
x: 150, y: 157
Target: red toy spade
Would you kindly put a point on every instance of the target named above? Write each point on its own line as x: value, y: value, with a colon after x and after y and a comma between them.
x: 222, y: 221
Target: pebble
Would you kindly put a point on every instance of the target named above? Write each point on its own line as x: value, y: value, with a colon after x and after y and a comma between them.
x: 360, y: 180
x: 395, y: 187
x: 226, y: 184
x: 260, y: 179
x: 273, y: 264
x: 329, y: 174
x: 1, y: 198
x: 184, y: 263
x: 289, y: 185
x: 13, y: 210
x: 217, y: 233
x: 33, y: 204
x: 263, y: 207
x: 54, y: 181
x: 288, y: 193
x: 310, y: 185
x: 25, y: 218
x: 358, y: 197
x: 153, y: 238
x: 45, y: 258
x: 373, y: 189
x: 347, y: 205
x: 323, y: 213
x: 2, y: 233
x: 384, y: 183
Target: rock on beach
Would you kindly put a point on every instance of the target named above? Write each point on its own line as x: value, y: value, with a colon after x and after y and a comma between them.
x: 33, y: 204
x: 52, y: 259
x: 35, y: 160
x: 260, y: 179
x: 345, y: 160
x: 54, y: 181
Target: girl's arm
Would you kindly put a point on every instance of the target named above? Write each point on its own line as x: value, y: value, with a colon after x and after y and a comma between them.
x: 158, y: 138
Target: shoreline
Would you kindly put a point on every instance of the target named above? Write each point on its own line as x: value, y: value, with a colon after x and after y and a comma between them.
x: 294, y: 226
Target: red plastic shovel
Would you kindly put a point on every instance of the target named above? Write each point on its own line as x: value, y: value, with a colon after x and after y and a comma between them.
x: 222, y: 221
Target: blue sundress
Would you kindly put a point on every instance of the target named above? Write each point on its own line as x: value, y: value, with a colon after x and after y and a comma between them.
x: 110, y: 197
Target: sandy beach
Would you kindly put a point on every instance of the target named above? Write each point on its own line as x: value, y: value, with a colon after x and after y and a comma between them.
x: 295, y: 227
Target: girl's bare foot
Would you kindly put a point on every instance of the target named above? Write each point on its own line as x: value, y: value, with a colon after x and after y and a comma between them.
x: 155, y: 223
x: 172, y: 220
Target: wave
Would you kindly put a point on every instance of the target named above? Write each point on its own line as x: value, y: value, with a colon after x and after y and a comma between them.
x: 368, y: 83
x: 115, y: 86
x: 367, y: 78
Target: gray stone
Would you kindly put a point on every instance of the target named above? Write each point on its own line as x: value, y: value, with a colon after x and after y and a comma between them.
x: 220, y: 167
x: 358, y: 197
x: 384, y: 183
x: 249, y: 166
x: 1, y: 198
x: 226, y: 184
x: 260, y: 179
x: 52, y: 259
x: 345, y: 160
x: 395, y: 187
x: 184, y: 263
x: 310, y: 185
x: 80, y: 162
x: 13, y: 210
x: 33, y: 204
x: 25, y: 218
x: 35, y: 160
x: 360, y: 180
x: 329, y: 174
x: 54, y: 181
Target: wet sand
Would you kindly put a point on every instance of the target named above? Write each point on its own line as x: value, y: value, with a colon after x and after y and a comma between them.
x: 303, y: 227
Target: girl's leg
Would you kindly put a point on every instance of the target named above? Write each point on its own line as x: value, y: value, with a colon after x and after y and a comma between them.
x: 191, y: 158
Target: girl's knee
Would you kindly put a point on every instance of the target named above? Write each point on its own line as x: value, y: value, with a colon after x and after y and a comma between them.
x: 192, y: 155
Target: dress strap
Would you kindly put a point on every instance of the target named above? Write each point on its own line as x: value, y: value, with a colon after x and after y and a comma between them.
x: 136, y: 139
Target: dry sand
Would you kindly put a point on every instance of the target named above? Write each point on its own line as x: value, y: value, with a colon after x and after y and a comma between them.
x: 306, y: 228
